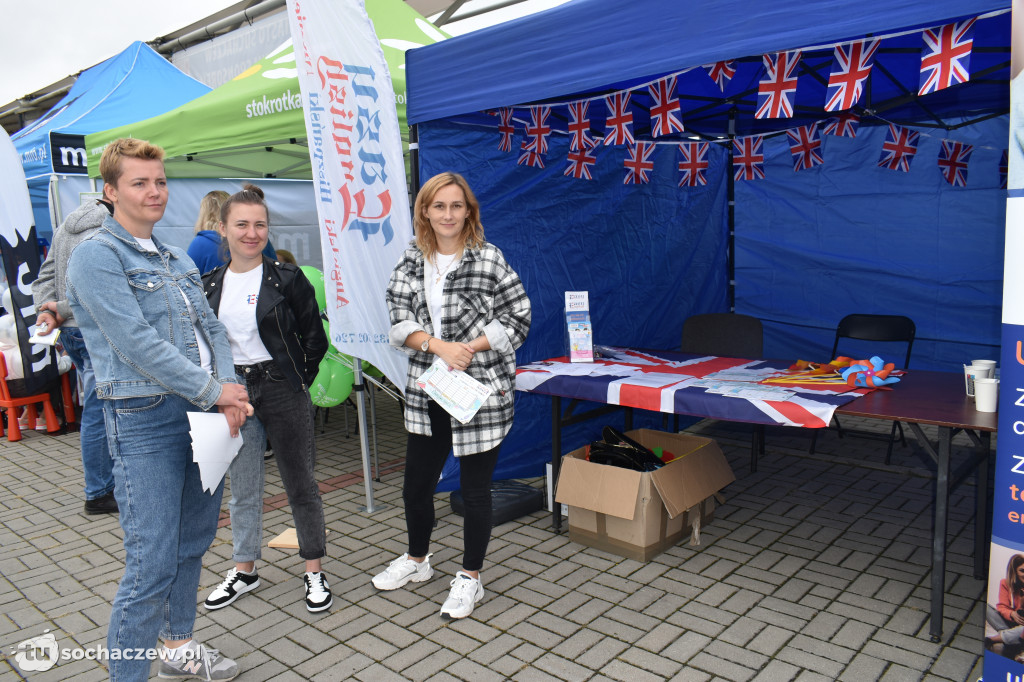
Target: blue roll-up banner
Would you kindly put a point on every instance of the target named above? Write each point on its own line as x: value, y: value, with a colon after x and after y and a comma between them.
x: 1004, y: 603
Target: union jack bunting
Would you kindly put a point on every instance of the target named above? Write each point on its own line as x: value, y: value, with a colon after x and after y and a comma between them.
x: 664, y: 108
x: 694, y: 163
x: 775, y: 94
x: 953, y: 159
x: 638, y: 163
x: 506, y: 129
x: 899, y: 148
x: 580, y: 161
x: 1004, y: 168
x: 748, y: 158
x: 946, y: 56
x: 851, y: 68
x: 844, y: 125
x: 537, y: 130
x: 721, y: 73
x: 620, y: 119
x: 805, y: 147
x: 579, y: 126
x: 530, y: 158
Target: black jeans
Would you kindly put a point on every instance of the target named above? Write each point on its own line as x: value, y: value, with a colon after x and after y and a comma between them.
x: 424, y: 460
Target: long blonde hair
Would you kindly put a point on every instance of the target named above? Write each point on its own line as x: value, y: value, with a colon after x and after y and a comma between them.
x: 472, y: 232
x: 209, y: 210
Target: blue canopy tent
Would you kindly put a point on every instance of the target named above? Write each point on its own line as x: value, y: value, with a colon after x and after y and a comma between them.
x: 132, y: 85
x: 798, y: 249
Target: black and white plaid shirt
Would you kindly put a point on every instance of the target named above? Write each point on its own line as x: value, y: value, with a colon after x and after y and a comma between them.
x: 482, y: 296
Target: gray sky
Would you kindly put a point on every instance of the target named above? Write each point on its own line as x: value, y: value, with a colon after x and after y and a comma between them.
x: 42, y: 41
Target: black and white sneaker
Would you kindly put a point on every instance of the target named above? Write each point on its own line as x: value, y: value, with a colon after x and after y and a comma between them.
x: 318, y: 593
x: 234, y: 586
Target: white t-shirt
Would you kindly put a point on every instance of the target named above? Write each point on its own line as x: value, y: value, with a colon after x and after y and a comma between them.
x: 434, y: 278
x: 205, y: 353
x: 238, y: 297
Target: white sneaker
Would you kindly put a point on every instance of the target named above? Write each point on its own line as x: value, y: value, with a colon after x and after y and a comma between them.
x: 233, y: 587
x: 403, y: 570
x: 466, y: 592
x: 318, y: 593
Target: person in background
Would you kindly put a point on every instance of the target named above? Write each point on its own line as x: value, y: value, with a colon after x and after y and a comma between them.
x: 206, y: 249
x: 277, y: 338
x: 452, y: 296
x: 53, y: 310
x: 158, y: 353
x: 286, y: 257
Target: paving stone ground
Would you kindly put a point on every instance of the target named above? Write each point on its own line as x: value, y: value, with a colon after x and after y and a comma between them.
x: 815, y: 568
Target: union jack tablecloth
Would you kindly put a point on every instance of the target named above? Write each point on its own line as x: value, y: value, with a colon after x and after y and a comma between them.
x: 663, y: 381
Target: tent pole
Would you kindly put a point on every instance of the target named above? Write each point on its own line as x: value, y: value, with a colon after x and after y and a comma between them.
x: 359, y: 388
x: 414, y: 162
x: 731, y: 215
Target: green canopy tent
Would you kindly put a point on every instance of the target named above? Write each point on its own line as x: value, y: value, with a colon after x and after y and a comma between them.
x: 252, y: 126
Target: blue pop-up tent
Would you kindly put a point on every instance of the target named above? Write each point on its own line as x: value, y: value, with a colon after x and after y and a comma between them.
x: 135, y: 84
x: 798, y: 249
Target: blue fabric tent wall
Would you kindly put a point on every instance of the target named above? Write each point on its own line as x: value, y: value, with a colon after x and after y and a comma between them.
x: 135, y: 84
x: 535, y: 60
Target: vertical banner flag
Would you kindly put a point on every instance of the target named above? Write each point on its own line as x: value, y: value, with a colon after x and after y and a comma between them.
x: 358, y: 172
x: 20, y: 250
x: 1003, y: 597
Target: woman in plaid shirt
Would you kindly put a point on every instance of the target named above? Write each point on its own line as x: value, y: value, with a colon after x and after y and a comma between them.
x: 453, y: 296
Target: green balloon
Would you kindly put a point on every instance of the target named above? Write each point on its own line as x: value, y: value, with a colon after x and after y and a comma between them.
x: 342, y: 379
x: 320, y: 390
x: 371, y: 370
x: 316, y: 278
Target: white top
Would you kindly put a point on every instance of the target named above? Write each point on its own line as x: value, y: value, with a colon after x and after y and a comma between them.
x: 434, y: 275
x: 238, y: 297
x: 205, y: 352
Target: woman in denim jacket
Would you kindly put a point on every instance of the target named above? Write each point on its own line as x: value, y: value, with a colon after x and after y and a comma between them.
x: 453, y: 296
x: 277, y: 338
x: 158, y: 353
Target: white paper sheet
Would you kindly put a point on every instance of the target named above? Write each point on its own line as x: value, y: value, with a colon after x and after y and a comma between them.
x: 213, y: 448
x: 458, y: 393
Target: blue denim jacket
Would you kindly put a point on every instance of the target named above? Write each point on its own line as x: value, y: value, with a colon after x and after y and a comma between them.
x: 136, y: 326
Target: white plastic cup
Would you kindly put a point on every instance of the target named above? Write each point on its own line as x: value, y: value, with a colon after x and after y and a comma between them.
x: 971, y: 373
x: 989, y: 365
x: 986, y: 394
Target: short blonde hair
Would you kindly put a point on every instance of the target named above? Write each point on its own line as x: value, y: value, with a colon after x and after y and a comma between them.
x: 209, y: 210
x: 125, y: 148
x: 472, y: 232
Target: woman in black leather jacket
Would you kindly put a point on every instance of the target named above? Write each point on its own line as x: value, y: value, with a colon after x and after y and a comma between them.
x: 277, y: 339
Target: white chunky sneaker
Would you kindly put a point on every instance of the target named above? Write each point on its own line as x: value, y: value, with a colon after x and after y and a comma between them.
x: 466, y: 592
x: 403, y: 570
x: 318, y: 593
x: 234, y: 586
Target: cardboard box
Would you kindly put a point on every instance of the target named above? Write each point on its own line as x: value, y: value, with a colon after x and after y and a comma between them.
x: 639, y: 514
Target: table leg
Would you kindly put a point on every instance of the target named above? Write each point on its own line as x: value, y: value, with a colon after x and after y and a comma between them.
x: 981, y: 505
x: 939, y: 532
x: 556, y: 459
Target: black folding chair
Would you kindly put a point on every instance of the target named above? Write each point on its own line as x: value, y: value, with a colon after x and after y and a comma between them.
x: 883, y: 329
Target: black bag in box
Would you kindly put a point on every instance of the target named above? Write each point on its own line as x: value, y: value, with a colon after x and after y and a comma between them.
x: 509, y: 500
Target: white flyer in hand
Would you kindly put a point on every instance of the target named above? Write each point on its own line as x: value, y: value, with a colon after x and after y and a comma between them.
x: 454, y: 390
x: 213, y: 448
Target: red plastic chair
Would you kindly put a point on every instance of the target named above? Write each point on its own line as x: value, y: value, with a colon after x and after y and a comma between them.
x: 13, y: 406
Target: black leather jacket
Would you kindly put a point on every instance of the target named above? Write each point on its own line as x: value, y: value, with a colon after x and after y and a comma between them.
x: 287, y: 317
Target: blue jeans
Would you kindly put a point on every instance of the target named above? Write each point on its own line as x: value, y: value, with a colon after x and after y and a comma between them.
x: 96, y: 462
x: 168, y: 522
x: 285, y: 416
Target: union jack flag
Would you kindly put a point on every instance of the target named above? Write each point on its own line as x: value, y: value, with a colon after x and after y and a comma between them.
x: 579, y: 126
x: 748, y: 158
x: 537, y: 130
x: 580, y: 161
x: 851, y: 68
x: 953, y: 159
x: 775, y: 94
x: 530, y: 158
x: 722, y: 73
x: 1004, y: 168
x: 899, y: 148
x: 620, y: 119
x: 506, y: 129
x: 638, y: 163
x: 946, y: 56
x: 844, y: 125
x: 664, y: 108
x: 805, y: 147
x: 694, y: 163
